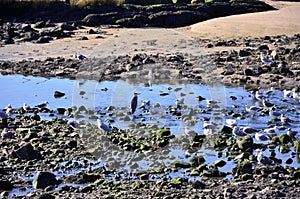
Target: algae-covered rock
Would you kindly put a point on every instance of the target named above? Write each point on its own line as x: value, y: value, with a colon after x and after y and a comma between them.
x: 284, y: 139
x: 163, y: 133
x: 179, y: 164
x: 245, y: 143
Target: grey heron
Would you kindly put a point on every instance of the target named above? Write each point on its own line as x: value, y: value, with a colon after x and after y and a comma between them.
x: 133, y: 102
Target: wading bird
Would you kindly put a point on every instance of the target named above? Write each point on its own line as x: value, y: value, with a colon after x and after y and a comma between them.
x: 133, y: 103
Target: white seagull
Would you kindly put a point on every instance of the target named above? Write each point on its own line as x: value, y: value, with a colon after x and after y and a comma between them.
x: 231, y: 122
x: 8, y: 109
x: 284, y: 119
x: 267, y: 104
x: 261, y: 137
x: 261, y: 158
x: 79, y: 56
x: 264, y: 59
x: 236, y: 131
x: 103, y: 126
x: 271, y: 131
x: 291, y: 133
x: 26, y: 107
x: 287, y: 93
x: 252, y: 109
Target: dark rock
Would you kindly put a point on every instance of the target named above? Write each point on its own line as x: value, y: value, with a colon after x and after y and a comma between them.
x: 58, y: 94
x: 44, y: 179
x: 91, y: 31
x: 263, y: 47
x: 26, y: 152
x: 248, y: 72
x: 84, y: 38
x: 52, y: 32
x: 46, y: 196
x: 99, y: 19
x: 226, y: 130
x: 244, y: 53
x: 60, y: 111
x: 176, y: 19
x: 219, y: 163
x: 29, y: 36
x: 6, y: 185
x: 196, y: 161
x: 198, y: 185
x: 44, y: 39
x: 67, y: 27
x: 178, y: 164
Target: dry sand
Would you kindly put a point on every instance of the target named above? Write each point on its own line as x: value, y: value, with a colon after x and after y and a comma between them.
x: 285, y: 21
x: 282, y: 21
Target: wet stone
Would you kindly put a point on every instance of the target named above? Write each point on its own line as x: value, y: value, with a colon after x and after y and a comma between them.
x: 44, y: 179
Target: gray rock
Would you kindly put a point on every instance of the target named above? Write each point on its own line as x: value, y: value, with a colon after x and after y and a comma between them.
x: 44, y: 179
x: 26, y: 152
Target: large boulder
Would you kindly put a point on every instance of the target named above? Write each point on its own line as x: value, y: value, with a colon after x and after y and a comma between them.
x: 176, y: 19
x: 100, y: 19
x: 26, y: 152
x: 44, y: 179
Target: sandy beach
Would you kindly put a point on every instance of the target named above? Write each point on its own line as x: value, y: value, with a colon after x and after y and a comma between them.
x: 284, y: 21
